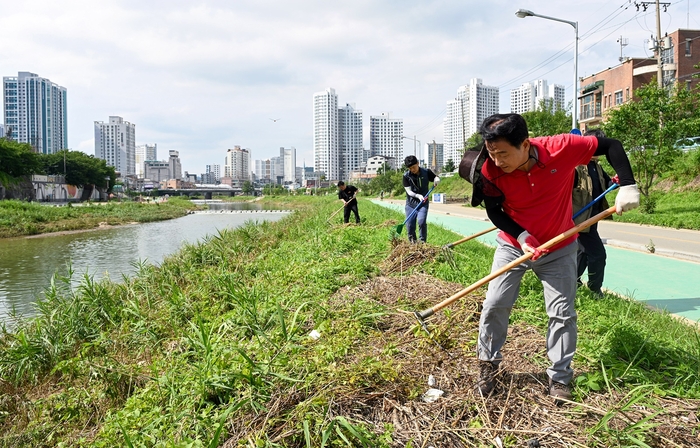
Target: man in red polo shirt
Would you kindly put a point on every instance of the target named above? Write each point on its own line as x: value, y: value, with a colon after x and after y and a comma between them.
x: 526, y: 186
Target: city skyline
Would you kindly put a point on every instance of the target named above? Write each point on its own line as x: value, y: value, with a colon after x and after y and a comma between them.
x: 212, y: 76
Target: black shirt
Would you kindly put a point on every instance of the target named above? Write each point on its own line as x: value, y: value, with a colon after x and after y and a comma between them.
x: 347, y: 193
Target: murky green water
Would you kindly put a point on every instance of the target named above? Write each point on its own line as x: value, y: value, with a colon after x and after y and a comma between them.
x: 27, y: 264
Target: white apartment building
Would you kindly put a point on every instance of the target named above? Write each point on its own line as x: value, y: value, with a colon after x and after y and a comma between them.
x: 115, y: 143
x: 325, y: 134
x: 143, y: 153
x: 2, y: 130
x: 474, y: 102
x: 237, y: 165
x: 175, y: 164
x: 289, y: 163
x: 376, y: 162
x: 386, y: 136
x: 530, y: 95
x: 35, y: 112
x: 214, y: 171
x: 350, y: 140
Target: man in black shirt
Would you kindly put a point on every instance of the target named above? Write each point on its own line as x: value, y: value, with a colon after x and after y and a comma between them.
x: 347, y: 193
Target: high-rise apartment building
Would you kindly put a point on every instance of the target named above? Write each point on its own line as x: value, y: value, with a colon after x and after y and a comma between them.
x: 325, y: 134
x: 289, y: 163
x: 350, y: 140
x: 35, y: 112
x: 435, y: 157
x: 529, y: 96
x: 465, y: 114
x: 142, y: 154
x: 237, y: 165
x: 115, y: 143
x: 175, y: 164
x: 386, y: 136
x: 213, y: 172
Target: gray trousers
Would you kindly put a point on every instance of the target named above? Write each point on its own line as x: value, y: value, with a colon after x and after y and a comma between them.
x: 557, y: 272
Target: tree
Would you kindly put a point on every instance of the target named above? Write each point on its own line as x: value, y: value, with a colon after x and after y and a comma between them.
x: 449, y: 166
x: 80, y: 169
x: 473, y: 141
x: 649, y: 127
x: 546, y: 121
x: 17, y: 160
x: 247, y: 188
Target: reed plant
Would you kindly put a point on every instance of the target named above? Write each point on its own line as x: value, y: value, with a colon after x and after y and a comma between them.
x: 213, y: 344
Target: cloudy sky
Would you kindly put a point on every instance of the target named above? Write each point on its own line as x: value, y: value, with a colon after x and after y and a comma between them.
x: 202, y: 76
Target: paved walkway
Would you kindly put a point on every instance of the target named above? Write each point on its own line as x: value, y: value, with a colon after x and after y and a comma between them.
x: 668, y: 279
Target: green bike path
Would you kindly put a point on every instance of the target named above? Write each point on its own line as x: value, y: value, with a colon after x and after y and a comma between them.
x: 658, y: 281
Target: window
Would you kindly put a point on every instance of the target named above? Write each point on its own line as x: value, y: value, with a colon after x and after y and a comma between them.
x: 687, y: 47
x: 627, y: 94
x: 618, y: 97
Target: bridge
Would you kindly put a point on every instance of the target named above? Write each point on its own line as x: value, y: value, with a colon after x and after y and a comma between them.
x: 207, y: 192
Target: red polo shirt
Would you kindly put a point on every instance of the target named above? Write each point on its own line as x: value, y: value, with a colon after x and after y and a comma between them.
x: 540, y: 200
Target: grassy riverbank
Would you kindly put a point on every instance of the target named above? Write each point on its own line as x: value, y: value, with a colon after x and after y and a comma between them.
x: 19, y: 218
x: 213, y: 347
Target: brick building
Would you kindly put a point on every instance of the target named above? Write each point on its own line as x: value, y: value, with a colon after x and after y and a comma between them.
x: 615, y: 85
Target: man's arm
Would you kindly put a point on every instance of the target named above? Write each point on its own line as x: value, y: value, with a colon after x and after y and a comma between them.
x: 500, y: 219
x: 628, y: 197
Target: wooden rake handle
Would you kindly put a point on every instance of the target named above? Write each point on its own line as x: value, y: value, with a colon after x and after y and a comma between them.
x: 556, y: 240
x: 471, y: 237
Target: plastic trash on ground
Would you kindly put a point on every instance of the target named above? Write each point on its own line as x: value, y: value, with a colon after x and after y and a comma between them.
x: 432, y: 395
x: 315, y: 335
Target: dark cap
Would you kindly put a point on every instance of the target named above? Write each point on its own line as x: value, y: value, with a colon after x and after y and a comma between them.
x: 410, y: 161
x: 470, y: 170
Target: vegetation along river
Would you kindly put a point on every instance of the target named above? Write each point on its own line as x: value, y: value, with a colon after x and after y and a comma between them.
x: 27, y: 264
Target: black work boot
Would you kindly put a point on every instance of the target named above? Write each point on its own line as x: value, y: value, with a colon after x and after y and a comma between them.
x: 559, y: 390
x: 487, y: 374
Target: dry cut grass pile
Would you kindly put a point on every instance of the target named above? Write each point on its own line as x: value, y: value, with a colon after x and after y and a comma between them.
x: 518, y: 413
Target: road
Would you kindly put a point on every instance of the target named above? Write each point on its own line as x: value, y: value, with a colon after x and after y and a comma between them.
x: 668, y: 278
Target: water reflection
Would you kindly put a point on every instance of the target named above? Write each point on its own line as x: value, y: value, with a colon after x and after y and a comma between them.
x: 27, y: 264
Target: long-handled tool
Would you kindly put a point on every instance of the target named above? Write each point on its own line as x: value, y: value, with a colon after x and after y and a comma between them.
x: 422, y: 315
x: 344, y: 205
x: 399, y: 228
x: 447, y: 248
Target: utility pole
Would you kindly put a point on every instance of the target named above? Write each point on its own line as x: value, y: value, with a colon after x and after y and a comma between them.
x: 623, y: 43
x: 659, y: 46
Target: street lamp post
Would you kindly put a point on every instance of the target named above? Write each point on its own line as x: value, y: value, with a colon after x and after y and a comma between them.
x: 522, y: 13
x: 409, y: 138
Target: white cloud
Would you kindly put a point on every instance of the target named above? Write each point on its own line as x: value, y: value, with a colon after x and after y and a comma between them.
x: 200, y: 77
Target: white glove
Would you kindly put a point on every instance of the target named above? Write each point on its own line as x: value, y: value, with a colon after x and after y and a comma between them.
x: 627, y: 199
x: 436, y: 181
x: 419, y: 197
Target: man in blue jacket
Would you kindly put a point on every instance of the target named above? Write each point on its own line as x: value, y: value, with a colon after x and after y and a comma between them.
x: 415, y: 182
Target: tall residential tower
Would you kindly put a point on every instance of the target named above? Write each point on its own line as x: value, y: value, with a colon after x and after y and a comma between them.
x: 529, y: 96
x: 115, y: 143
x: 325, y: 130
x: 465, y: 114
x: 386, y: 136
x: 36, y: 112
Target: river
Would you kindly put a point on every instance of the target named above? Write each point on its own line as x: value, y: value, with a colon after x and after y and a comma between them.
x: 27, y: 264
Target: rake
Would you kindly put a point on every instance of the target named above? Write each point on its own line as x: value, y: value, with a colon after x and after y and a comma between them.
x: 422, y: 315
x: 447, y: 248
x: 337, y: 211
x: 396, y: 231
